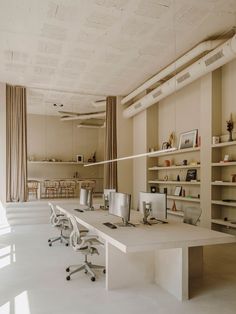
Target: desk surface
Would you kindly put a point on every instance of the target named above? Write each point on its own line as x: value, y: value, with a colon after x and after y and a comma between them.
x: 143, y: 237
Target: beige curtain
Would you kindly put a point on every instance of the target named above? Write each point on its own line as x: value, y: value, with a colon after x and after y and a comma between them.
x: 110, y: 169
x: 16, y: 154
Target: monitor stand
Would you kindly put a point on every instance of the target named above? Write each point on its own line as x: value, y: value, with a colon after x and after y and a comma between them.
x: 125, y: 223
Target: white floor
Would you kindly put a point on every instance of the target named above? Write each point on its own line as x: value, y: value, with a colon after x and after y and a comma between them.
x: 32, y: 281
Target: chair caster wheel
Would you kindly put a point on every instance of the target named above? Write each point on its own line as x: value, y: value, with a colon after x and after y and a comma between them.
x: 50, y: 244
x: 104, y: 271
x: 68, y: 278
x: 68, y: 269
x: 93, y: 279
x: 49, y: 240
x: 85, y: 271
x: 67, y: 244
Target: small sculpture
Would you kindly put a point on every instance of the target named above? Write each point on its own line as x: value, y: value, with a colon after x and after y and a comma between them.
x: 170, y: 143
x: 230, y: 126
x: 174, y: 208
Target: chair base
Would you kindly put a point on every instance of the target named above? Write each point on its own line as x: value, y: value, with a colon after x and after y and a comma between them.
x: 61, y: 238
x: 87, y: 267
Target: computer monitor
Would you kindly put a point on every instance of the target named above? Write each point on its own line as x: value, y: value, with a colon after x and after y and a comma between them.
x: 153, y: 205
x: 86, y: 197
x: 120, y: 206
x: 106, y: 195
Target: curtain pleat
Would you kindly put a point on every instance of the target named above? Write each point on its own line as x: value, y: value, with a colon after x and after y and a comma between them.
x: 110, y: 169
x: 16, y: 155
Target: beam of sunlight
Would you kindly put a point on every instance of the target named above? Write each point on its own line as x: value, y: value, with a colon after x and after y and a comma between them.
x: 3, y: 216
x: 5, y: 229
x: 5, y: 308
x: 22, y: 303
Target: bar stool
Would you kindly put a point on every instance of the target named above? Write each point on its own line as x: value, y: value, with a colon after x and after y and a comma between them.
x: 67, y: 188
x: 51, y: 188
x: 32, y: 188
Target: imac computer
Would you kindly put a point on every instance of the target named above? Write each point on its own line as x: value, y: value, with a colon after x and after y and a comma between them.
x: 120, y: 206
x: 153, y: 205
x: 86, y: 198
x: 106, y: 196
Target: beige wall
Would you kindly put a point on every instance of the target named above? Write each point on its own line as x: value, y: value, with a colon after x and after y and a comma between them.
x: 48, y: 137
x: 3, y: 142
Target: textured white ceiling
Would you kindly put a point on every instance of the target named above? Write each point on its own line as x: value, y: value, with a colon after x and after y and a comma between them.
x: 99, y: 47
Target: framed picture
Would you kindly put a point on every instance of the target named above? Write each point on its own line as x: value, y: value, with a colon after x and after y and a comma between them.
x: 178, y: 190
x: 80, y: 159
x: 188, y: 139
x: 191, y: 174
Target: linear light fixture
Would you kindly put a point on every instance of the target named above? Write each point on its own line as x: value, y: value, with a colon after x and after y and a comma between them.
x: 155, y: 153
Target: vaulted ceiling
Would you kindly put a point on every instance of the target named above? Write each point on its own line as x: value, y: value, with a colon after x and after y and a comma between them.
x: 65, y: 49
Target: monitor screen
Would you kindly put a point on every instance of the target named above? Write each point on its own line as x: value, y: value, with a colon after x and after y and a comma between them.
x: 119, y: 205
x: 158, y: 203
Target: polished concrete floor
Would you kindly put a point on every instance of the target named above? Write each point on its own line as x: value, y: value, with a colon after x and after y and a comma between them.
x: 32, y: 281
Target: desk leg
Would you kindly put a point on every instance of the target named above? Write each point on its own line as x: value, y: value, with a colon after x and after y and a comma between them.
x: 174, y: 267
x: 172, y: 271
x: 128, y: 269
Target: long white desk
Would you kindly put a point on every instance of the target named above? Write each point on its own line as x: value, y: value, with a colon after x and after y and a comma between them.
x: 168, y: 254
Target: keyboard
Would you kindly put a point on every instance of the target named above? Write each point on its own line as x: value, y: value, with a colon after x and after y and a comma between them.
x: 109, y: 225
x: 79, y: 210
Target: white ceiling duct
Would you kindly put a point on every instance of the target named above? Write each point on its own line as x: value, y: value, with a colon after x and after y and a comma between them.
x: 210, y: 62
x: 186, y: 58
x: 101, y: 115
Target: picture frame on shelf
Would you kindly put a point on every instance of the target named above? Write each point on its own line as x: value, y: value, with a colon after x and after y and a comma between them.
x: 188, y: 139
x: 191, y: 175
x: 79, y: 159
x: 178, y: 190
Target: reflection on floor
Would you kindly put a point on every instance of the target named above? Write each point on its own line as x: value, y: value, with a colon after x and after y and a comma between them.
x: 32, y: 277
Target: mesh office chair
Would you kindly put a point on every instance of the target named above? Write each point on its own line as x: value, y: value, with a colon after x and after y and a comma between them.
x: 192, y: 215
x: 85, y: 245
x: 61, y: 222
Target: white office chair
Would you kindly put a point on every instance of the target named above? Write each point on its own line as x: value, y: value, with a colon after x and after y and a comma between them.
x: 192, y: 215
x: 85, y: 245
x: 61, y: 222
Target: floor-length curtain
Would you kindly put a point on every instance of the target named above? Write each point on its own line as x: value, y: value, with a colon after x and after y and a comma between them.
x: 110, y: 169
x: 16, y: 155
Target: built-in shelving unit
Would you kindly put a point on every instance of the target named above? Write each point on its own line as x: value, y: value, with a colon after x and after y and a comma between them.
x: 222, y: 222
x: 224, y: 144
x: 185, y: 199
x: 175, y: 182
x: 178, y: 213
x: 181, y: 161
x: 224, y: 203
x: 174, y: 152
x: 57, y: 162
x: 224, y: 183
x: 223, y: 164
x: 174, y: 167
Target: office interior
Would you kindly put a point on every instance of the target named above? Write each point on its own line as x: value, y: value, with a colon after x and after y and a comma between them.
x: 149, y: 84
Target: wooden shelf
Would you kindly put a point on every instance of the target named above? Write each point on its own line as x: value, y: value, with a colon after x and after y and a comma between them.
x: 230, y: 204
x: 224, y: 183
x: 224, y: 164
x: 185, y: 199
x: 225, y: 144
x: 178, y: 213
x: 174, y: 182
x: 177, y: 151
x: 174, y: 167
x: 57, y: 162
x: 223, y: 223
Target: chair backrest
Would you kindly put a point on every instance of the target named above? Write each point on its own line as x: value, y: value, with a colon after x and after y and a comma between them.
x: 192, y: 215
x: 53, y: 217
x: 86, y: 197
x: 51, y: 184
x: 75, y: 237
x: 67, y: 184
x: 32, y: 184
